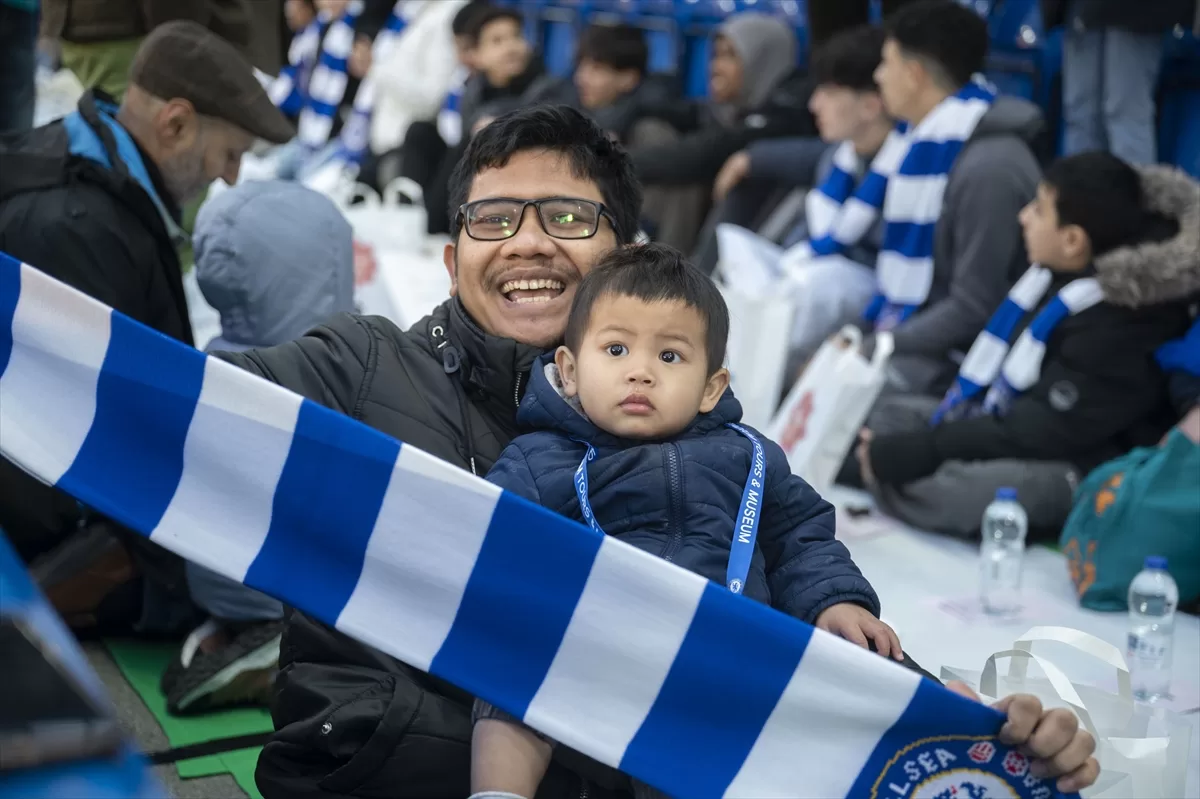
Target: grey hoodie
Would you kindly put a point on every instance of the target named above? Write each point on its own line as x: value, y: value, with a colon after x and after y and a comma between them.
x: 767, y: 49
x: 274, y: 259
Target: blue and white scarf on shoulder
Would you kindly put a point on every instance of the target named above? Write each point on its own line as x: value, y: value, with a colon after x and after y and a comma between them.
x: 913, y: 202
x: 1005, y: 373
x: 314, y: 82
x: 842, y: 209
x: 356, y: 134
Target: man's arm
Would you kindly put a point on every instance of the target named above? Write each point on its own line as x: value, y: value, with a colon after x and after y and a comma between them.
x: 693, y: 158
x: 789, y: 162
x: 327, y: 365
x: 996, y: 179
x: 808, y: 569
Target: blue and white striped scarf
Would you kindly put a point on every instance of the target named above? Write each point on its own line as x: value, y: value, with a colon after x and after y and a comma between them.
x: 618, y: 654
x: 449, y: 118
x: 1003, y: 373
x: 913, y: 203
x: 840, y: 211
x: 314, y: 82
x: 356, y: 134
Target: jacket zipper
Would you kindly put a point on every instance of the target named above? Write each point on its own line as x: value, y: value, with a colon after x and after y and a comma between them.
x: 675, y: 514
x: 583, y: 790
x: 517, y: 390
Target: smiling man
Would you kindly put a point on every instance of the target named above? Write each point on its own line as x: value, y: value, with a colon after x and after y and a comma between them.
x: 538, y: 197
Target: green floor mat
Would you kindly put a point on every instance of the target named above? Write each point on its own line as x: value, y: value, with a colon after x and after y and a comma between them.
x: 142, y: 664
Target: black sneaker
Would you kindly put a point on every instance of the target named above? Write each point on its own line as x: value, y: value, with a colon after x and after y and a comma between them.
x: 220, y: 668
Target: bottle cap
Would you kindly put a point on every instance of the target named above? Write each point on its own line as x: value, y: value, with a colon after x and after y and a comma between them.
x: 1156, y: 562
x: 1009, y: 494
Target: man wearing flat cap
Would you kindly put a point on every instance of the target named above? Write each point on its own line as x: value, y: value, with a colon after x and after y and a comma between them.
x: 94, y: 200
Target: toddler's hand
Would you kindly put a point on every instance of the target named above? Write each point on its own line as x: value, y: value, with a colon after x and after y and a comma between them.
x: 856, y: 624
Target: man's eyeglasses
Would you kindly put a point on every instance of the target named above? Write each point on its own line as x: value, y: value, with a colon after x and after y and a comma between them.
x: 561, y: 217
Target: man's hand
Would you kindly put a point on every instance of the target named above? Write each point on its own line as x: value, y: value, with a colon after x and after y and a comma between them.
x: 359, y: 62
x: 1190, y: 426
x: 856, y: 624
x: 736, y: 167
x: 863, y: 453
x: 1060, y: 749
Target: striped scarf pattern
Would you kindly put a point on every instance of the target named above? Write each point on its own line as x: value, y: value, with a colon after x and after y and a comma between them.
x: 629, y: 659
x: 356, y: 134
x: 841, y: 210
x: 1004, y: 373
x: 313, y: 83
x: 913, y: 203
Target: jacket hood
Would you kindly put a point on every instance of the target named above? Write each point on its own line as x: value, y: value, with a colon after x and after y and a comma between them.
x: 1156, y: 272
x: 84, y: 141
x: 1011, y: 116
x: 766, y: 46
x: 274, y: 259
x: 545, y: 407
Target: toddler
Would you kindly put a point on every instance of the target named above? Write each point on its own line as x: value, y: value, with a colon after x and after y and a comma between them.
x: 636, y: 404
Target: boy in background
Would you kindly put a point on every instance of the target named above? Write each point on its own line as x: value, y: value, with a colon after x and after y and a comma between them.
x: 1064, y: 376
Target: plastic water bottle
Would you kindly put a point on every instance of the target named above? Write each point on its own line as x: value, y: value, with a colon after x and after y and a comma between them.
x: 1153, y: 597
x: 1000, y: 553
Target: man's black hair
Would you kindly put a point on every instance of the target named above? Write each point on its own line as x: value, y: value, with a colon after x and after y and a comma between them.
x: 1104, y: 196
x: 620, y: 47
x: 592, y: 155
x: 849, y: 59
x: 951, y: 36
x: 486, y: 15
x: 653, y: 273
x: 461, y: 25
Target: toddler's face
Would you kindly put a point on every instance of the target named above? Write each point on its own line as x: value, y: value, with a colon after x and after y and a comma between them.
x: 641, y: 370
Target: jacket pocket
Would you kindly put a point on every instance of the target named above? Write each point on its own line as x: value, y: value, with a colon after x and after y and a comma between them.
x: 399, y: 740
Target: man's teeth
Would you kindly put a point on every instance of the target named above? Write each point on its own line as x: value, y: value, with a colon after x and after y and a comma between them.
x: 531, y: 285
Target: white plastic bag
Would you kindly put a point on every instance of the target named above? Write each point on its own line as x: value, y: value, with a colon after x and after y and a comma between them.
x: 390, y: 225
x: 756, y: 354
x: 820, y: 419
x: 1143, y: 750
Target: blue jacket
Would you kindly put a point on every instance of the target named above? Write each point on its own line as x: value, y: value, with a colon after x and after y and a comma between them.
x: 678, y: 499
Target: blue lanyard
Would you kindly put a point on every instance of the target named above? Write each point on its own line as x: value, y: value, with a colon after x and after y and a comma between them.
x: 745, y: 526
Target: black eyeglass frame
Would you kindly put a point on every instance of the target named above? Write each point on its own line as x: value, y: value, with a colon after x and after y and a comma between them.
x: 601, y: 212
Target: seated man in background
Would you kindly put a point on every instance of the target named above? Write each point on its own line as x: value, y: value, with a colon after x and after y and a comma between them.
x: 951, y: 244
x: 1064, y: 376
x: 94, y: 200
x: 755, y: 93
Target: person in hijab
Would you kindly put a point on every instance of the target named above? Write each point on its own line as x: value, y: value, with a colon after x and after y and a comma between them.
x: 755, y: 93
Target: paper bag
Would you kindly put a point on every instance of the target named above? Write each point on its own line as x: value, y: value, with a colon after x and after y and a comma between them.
x: 1142, y: 750
x: 820, y: 419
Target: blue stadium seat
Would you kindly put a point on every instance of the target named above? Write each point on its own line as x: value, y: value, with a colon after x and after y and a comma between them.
x: 560, y: 28
x: 1179, y: 104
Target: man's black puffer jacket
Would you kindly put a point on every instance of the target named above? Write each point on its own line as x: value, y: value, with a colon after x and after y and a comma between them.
x: 350, y: 720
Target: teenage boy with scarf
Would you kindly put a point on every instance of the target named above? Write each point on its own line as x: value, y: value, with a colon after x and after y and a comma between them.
x: 1064, y: 377
x: 948, y: 188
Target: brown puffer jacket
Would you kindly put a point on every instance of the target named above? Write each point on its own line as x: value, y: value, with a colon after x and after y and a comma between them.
x: 84, y: 21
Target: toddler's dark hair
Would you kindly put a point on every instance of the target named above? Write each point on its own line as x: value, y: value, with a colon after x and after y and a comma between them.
x: 1103, y: 195
x: 653, y: 273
